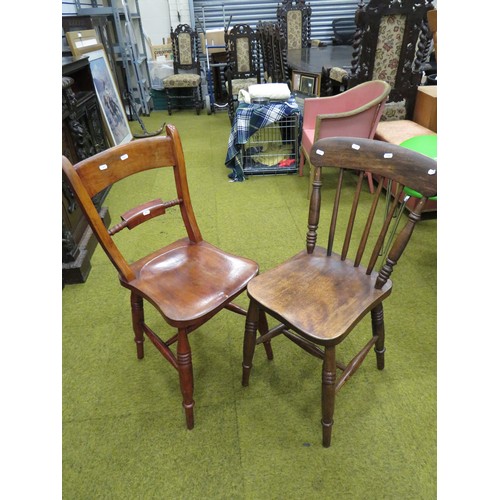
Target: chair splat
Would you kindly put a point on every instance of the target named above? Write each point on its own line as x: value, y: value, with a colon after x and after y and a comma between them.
x: 142, y: 213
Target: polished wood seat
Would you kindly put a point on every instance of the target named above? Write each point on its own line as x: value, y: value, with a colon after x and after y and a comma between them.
x: 319, y: 295
x: 189, y: 280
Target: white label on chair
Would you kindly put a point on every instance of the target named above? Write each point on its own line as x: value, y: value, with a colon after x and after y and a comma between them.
x: 356, y: 146
x: 320, y: 152
x: 103, y: 167
x: 124, y: 157
x: 146, y: 212
x: 387, y: 155
x: 431, y: 171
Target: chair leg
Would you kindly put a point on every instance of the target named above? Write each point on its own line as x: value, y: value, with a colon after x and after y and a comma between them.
x: 311, y: 180
x: 185, y: 368
x: 137, y: 306
x: 328, y: 394
x: 378, y: 329
x: 251, y: 324
x: 263, y: 328
x: 301, y: 162
x: 169, y: 103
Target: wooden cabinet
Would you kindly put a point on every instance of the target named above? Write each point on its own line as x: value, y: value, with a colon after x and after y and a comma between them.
x: 82, y: 136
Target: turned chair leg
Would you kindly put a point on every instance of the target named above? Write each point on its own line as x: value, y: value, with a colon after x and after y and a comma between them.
x: 378, y: 330
x: 137, y: 306
x: 328, y: 394
x: 185, y: 368
x: 263, y: 329
x: 251, y: 323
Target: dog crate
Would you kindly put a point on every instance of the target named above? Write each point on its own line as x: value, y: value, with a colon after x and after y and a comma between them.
x: 274, y: 149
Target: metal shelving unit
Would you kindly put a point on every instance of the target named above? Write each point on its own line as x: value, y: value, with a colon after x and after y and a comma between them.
x: 129, y: 48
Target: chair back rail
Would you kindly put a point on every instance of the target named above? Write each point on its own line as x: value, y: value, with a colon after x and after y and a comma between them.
x: 94, y: 174
x: 392, y: 166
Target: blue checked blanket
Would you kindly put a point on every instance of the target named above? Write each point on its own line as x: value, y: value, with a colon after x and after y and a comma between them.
x: 249, y: 118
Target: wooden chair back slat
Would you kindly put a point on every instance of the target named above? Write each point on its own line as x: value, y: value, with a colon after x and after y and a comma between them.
x: 394, y: 168
x: 92, y: 175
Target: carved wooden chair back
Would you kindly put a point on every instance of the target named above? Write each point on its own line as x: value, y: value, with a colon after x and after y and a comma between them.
x: 294, y: 20
x: 188, y: 280
x: 391, y: 43
x: 273, y: 50
x: 243, y: 62
x: 347, y: 278
x: 183, y: 88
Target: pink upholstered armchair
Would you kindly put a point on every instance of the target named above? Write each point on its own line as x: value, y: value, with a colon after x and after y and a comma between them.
x: 354, y: 113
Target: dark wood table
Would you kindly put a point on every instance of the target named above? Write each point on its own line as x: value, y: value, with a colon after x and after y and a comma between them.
x: 316, y: 62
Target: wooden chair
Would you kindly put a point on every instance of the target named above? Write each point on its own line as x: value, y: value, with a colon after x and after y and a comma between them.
x: 294, y: 21
x: 320, y: 295
x: 243, y: 62
x: 354, y: 113
x: 183, y: 88
x: 391, y: 43
x: 273, y: 50
x: 187, y: 281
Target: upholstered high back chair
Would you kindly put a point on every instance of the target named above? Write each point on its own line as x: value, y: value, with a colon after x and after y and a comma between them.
x: 183, y: 88
x: 391, y: 43
x: 294, y: 21
x: 243, y: 62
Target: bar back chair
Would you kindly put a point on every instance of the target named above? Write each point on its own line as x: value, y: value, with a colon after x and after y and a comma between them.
x: 188, y: 280
x: 243, y: 62
x: 319, y: 295
x: 294, y: 21
x: 183, y: 88
x: 355, y: 113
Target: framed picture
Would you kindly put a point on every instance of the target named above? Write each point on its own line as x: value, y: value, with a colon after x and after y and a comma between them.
x: 307, y: 84
x: 114, y: 116
x: 82, y: 41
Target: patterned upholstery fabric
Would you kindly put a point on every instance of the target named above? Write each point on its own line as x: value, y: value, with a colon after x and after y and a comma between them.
x: 242, y: 84
x: 338, y: 74
x: 182, y: 80
x: 185, y: 48
x: 394, y: 111
x: 243, y: 55
x: 294, y: 29
x: 388, y: 48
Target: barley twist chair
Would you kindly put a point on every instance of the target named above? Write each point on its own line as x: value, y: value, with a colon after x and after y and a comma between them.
x: 243, y: 62
x: 294, y: 21
x: 391, y: 43
x: 183, y: 88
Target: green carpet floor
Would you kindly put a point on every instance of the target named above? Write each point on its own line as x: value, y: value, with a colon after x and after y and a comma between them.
x: 124, y: 434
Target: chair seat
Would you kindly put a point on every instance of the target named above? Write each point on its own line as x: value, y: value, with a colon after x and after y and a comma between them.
x: 185, y: 80
x: 327, y: 305
x: 397, y: 131
x: 207, y: 276
x: 242, y: 84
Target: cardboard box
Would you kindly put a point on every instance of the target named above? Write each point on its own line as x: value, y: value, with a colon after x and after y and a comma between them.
x: 161, y: 50
x: 214, y: 38
x: 425, y: 111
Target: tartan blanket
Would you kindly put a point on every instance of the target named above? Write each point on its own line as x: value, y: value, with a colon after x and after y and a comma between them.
x: 249, y: 119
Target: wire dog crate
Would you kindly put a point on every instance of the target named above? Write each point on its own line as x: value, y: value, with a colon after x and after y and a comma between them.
x: 273, y: 149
